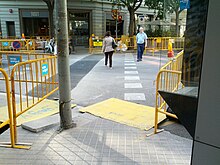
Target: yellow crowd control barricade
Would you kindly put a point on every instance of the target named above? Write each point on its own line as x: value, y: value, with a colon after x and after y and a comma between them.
x: 9, y: 59
x: 168, y: 79
x: 8, y: 122
x: 130, y: 42
x: 161, y: 43
x: 36, y: 82
x: 95, y: 44
x: 153, y: 43
x: 31, y: 82
x: 17, y: 45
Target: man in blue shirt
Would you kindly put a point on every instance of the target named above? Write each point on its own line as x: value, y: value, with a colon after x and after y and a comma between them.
x: 141, y: 43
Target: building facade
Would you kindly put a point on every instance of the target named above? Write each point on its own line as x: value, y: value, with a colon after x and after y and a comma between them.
x: 85, y: 17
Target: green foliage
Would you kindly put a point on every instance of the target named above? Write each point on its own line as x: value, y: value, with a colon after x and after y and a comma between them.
x: 130, y: 4
x: 165, y: 6
x: 161, y: 6
x: 160, y: 32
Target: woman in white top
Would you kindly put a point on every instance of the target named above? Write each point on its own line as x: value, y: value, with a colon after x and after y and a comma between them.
x: 107, y: 48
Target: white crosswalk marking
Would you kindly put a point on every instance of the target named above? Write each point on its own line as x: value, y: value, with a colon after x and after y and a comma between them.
x: 130, y: 64
x: 134, y: 96
x: 129, y: 61
x: 133, y: 78
x: 131, y: 67
x: 131, y: 72
x: 133, y: 85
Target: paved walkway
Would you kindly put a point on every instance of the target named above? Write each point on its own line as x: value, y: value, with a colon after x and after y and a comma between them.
x: 99, y: 142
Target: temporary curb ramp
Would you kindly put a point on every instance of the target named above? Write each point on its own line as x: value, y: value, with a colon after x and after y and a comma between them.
x: 131, y: 114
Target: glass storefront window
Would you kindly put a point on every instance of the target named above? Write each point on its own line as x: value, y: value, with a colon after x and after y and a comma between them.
x: 36, y: 26
x: 79, y: 28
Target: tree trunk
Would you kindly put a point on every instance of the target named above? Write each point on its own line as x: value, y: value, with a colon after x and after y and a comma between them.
x: 177, y: 23
x: 131, y: 23
x: 135, y: 27
x: 51, y: 24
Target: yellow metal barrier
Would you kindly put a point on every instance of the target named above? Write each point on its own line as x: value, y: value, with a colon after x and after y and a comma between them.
x: 168, y: 79
x: 11, y: 58
x: 95, y: 44
x: 153, y: 43
x: 161, y: 43
x: 10, y: 116
x: 31, y: 82
x: 37, y: 83
x: 130, y: 42
x: 17, y: 45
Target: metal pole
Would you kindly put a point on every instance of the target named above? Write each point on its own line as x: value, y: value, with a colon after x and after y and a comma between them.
x: 63, y: 66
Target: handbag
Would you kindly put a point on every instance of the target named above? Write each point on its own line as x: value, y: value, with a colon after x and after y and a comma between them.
x: 114, y: 45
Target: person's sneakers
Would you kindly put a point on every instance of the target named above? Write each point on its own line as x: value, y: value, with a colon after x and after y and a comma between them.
x: 110, y: 67
x: 138, y: 60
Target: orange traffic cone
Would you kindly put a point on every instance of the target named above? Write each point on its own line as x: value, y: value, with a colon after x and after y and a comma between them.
x: 170, y: 53
x: 23, y: 36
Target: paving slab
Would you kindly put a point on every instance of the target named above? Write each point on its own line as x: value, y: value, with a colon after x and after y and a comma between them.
x: 46, y: 122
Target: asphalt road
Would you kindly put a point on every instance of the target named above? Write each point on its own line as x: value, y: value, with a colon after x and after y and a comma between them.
x: 101, y: 83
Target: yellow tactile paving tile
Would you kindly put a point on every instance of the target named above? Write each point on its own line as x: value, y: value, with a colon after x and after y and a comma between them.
x: 124, y: 112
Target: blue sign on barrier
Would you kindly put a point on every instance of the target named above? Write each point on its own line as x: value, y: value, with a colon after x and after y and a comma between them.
x: 44, y: 68
x: 16, y: 44
x: 184, y: 4
x: 14, y: 59
x: 5, y: 44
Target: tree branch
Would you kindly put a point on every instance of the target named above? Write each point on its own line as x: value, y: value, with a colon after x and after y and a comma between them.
x: 140, y: 2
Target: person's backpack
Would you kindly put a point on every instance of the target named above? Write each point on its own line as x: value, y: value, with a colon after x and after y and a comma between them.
x: 114, y: 45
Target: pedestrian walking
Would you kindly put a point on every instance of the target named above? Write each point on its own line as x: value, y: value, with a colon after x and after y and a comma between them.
x: 141, y: 43
x: 108, y: 48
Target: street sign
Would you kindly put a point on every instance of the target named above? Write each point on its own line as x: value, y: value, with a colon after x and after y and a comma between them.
x: 16, y: 44
x: 184, y: 4
x: 44, y: 69
x: 14, y: 60
x: 97, y: 43
x: 5, y: 44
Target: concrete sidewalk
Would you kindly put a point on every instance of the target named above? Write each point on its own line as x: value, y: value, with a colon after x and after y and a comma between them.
x: 98, y: 141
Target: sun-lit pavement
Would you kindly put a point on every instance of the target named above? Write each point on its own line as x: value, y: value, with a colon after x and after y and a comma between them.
x: 96, y: 140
